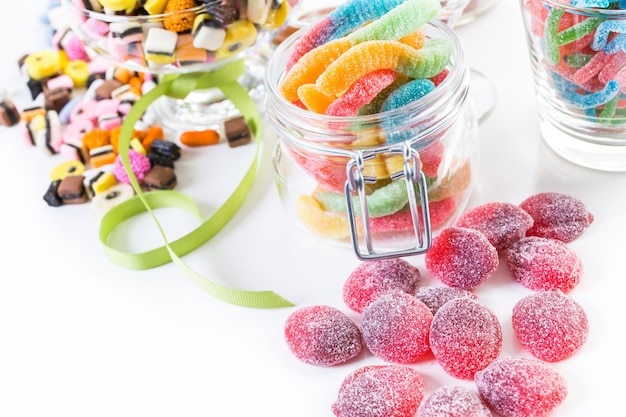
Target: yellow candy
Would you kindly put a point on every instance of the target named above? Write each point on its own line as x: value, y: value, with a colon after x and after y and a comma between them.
x: 42, y: 65
x: 240, y: 35
x: 67, y: 168
x: 78, y: 71
x: 154, y: 6
x: 136, y: 145
x: 322, y: 223
x: 118, y: 5
x: 277, y: 17
x: 103, y: 183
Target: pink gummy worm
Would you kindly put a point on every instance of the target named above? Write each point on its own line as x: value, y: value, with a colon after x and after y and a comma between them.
x: 314, y: 37
x: 592, y: 68
x: 610, y: 70
x: 361, y: 92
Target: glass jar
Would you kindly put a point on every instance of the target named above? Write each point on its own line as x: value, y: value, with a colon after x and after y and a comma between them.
x: 382, y: 182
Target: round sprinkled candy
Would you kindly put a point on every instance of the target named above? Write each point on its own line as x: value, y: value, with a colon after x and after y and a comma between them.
x: 465, y: 337
x: 521, y: 387
x: 380, y: 391
x: 435, y: 297
x: 396, y: 327
x: 453, y: 401
x: 371, y: 279
x: 140, y: 165
x: 550, y: 325
x: 322, y: 336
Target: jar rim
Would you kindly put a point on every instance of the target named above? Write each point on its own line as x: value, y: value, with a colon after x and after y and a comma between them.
x: 589, y: 11
x: 459, y: 72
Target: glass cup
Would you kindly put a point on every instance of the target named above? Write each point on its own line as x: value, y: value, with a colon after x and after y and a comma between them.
x: 383, y: 181
x: 578, y: 61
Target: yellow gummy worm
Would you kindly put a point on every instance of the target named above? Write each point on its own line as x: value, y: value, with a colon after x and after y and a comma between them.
x: 369, y: 56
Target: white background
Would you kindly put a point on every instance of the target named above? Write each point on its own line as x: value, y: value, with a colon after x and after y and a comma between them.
x: 80, y: 336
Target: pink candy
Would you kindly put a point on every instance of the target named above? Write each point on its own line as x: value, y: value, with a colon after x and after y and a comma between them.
x: 544, y: 264
x: 550, y: 325
x: 461, y: 257
x: 453, y: 401
x: 501, y: 223
x: 557, y: 216
x: 465, y: 337
x: 322, y: 336
x: 396, y: 326
x: 371, y: 279
x: 139, y: 164
x: 521, y: 387
x: 380, y: 391
x: 435, y: 297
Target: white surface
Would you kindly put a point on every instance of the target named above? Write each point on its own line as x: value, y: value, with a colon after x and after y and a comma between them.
x: 84, y: 337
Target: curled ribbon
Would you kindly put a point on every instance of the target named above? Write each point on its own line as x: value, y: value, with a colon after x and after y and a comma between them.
x: 179, y: 86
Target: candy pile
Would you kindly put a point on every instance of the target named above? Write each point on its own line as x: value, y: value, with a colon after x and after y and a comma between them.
x: 584, y: 54
x: 170, y: 34
x: 367, y: 59
x: 79, y: 104
x: 401, y: 321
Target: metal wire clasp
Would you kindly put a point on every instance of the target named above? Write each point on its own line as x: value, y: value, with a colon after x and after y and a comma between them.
x: 413, y: 177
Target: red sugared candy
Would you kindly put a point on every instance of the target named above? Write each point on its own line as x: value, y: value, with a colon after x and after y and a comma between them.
x: 380, y: 391
x: 521, y: 387
x: 322, y: 336
x: 435, y: 297
x: 373, y: 278
x: 461, y: 257
x: 544, y: 264
x: 501, y: 223
x: 465, y: 337
x: 557, y: 216
x: 550, y: 325
x: 453, y: 401
x: 395, y: 327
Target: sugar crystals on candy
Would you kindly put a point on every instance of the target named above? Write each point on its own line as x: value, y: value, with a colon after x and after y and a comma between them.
x: 465, y: 337
x: 550, y: 325
x: 322, y: 336
x: 371, y: 279
x: 453, y: 401
x: 380, y: 391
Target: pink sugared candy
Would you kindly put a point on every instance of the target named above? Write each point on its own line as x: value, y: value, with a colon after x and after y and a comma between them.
x: 380, y: 391
x: 396, y: 326
x: 373, y: 278
x: 322, y: 336
x: 461, y: 257
x: 453, y: 401
x: 521, y: 387
x: 550, y: 325
x: 557, y: 216
x: 544, y: 264
x: 465, y: 337
x: 435, y: 297
x: 139, y: 164
x: 501, y: 223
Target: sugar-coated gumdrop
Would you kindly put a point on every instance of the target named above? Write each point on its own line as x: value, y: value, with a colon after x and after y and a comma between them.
x: 557, y: 216
x: 453, y: 401
x: 544, y: 264
x: 371, y: 279
x: 521, y: 387
x: 461, y: 258
x: 380, y: 391
x: 550, y: 325
x: 396, y: 326
x: 465, y: 337
x: 435, y: 297
x: 322, y: 336
x: 501, y: 223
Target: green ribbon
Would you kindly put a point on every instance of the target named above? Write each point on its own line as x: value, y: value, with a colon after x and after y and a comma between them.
x: 179, y: 86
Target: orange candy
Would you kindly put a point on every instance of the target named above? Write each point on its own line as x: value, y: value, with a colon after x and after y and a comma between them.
x: 200, y: 137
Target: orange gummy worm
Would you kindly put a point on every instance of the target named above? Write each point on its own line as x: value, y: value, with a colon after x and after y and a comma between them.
x: 311, y: 65
x: 314, y: 101
x: 369, y: 56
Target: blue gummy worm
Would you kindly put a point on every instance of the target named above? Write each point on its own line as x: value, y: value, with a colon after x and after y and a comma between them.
x: 353, y: 14
x: 617, y: 44
x: 603, y: 30
x: 405, y: 94
x: 588, y: 101
x: 591, y: 3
